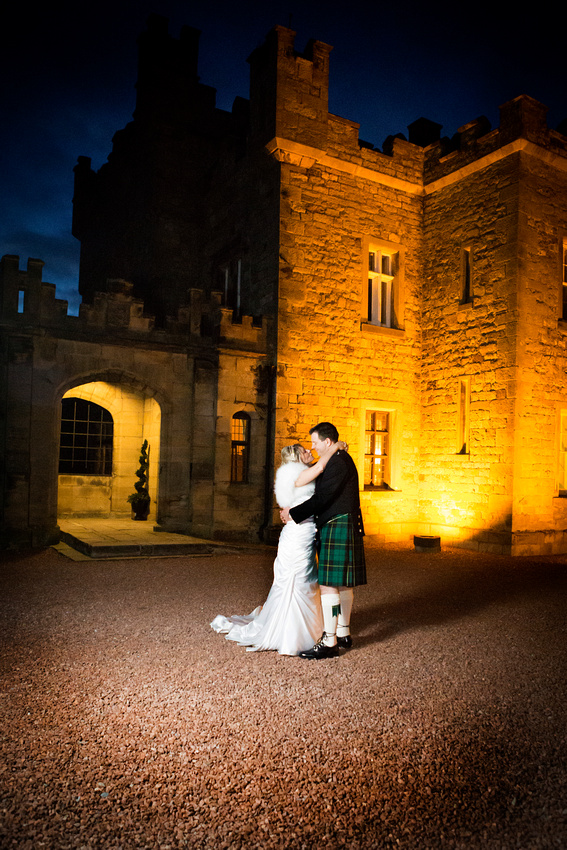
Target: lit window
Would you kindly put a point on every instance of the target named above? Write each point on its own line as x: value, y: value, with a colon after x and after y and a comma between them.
x: 466, y: 276
x: 463, y: 414
x: 21, y: 300
x: 87, y: 432
x: 240, y: 448
x: 377, y: 450
x: 382, y: 282
x: 564, y: 280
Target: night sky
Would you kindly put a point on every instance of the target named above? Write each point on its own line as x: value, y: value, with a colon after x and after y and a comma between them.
x: 68, y: 76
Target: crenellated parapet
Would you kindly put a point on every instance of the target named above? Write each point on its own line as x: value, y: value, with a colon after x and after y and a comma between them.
x: 243, y: 333
x: 116, y: 308
x: 26, y: 299
x: 28, y: 302
x: 523, y: 126
x: 289, y: 90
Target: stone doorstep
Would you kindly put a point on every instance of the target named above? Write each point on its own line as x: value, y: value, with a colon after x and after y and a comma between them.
x: 134, y: 550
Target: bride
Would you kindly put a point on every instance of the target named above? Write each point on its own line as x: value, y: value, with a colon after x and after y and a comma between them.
x: 290, y: 620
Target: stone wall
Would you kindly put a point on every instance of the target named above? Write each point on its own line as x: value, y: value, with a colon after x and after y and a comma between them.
x: 330, y: 365
x: 540, y: 515
x: 240, y: 510
x: 335, y: 197
x: 283, y: 199
x: 173, y: 375
x: 468, y: 496
x: 507, y: 205
x: 440, y: 201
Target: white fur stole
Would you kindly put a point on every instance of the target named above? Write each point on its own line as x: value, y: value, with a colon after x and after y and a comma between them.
x: 287, y: 494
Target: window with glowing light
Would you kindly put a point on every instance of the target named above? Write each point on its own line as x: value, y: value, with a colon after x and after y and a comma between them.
x: 240, y: 448
x: 381, y: 289
x: 377, y: 450
x: 87, y: 432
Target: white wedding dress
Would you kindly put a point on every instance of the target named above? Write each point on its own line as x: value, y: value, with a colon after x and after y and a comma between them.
x: 290, y: 620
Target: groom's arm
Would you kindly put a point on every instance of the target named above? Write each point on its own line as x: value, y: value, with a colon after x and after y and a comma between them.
x: 329, y: 486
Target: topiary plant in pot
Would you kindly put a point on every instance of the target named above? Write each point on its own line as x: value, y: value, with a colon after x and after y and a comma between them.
x: 140, y: 500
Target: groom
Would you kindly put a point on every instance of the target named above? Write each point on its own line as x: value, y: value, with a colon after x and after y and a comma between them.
x: 336, y: 507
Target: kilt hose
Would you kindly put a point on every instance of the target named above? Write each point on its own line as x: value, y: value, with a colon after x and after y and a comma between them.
x: 340, y: 553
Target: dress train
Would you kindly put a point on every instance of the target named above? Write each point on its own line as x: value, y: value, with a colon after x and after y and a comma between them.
x: 290, y: 621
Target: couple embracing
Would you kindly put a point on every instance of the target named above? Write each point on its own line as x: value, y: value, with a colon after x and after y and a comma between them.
x: 320, y: 556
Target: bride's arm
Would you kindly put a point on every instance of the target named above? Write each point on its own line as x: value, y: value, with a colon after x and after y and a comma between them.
x: 312, y: 472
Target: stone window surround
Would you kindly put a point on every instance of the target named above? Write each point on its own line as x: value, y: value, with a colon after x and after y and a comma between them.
x: 377, y: 429
x: 382, y: 267
x: 394, y: 431
x: 391, y: 248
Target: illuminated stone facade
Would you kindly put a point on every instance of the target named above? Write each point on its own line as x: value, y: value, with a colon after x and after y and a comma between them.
x: 413, y: 296
x: 178, y: 387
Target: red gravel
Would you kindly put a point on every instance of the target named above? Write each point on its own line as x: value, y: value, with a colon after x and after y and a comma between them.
x: 128, y: 723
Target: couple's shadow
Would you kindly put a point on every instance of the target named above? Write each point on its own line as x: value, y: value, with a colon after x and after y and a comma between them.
x: 418, y: 595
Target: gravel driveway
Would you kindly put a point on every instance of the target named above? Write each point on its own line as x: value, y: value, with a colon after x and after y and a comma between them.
x: 128, y: 723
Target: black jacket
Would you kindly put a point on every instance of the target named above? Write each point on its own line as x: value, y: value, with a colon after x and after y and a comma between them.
x: 336, y: 492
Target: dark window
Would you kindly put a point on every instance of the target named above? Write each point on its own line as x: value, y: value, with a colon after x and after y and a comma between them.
x: 229, y: 283
x: 86, y: 438
x: 562, y: 472
x: 463, y: 447
x: 240, y: 448
x: 466, y: 276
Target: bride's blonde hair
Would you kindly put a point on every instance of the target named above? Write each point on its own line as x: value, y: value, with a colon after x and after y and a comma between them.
x: 291, y: 453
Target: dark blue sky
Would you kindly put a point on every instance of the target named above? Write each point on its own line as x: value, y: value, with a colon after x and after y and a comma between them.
x: 68, y: 76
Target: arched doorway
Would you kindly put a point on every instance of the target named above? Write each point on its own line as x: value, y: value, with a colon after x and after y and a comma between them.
x: 88, y: 483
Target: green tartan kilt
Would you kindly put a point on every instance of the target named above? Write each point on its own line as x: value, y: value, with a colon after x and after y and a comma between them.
x: 340, y: 552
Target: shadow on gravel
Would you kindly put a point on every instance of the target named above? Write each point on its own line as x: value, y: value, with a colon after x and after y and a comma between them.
x: 437, y: 589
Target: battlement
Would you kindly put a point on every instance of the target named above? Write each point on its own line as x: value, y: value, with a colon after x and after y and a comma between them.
x: 425, y: 156
x: 289, y: 91
x: 243, y: 333
x: 521, y: 119
x: 28, y: 302
x: 289, y: 112
x: 168, y: 86
x: 24, y: 297
x: 116, y: 308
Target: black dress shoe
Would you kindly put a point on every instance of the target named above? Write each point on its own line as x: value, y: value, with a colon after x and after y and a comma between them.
x: 320, y: 650
x: 344, y: 642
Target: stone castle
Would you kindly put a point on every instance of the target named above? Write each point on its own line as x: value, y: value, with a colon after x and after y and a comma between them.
x: 245, y: 275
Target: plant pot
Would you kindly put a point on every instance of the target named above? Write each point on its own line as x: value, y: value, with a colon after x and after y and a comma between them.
x: 140, y: 512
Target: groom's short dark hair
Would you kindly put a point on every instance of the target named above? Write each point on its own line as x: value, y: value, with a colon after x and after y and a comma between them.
x: 326, y: 430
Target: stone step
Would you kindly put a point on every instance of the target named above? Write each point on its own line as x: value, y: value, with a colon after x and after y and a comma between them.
x: 145, y: 549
